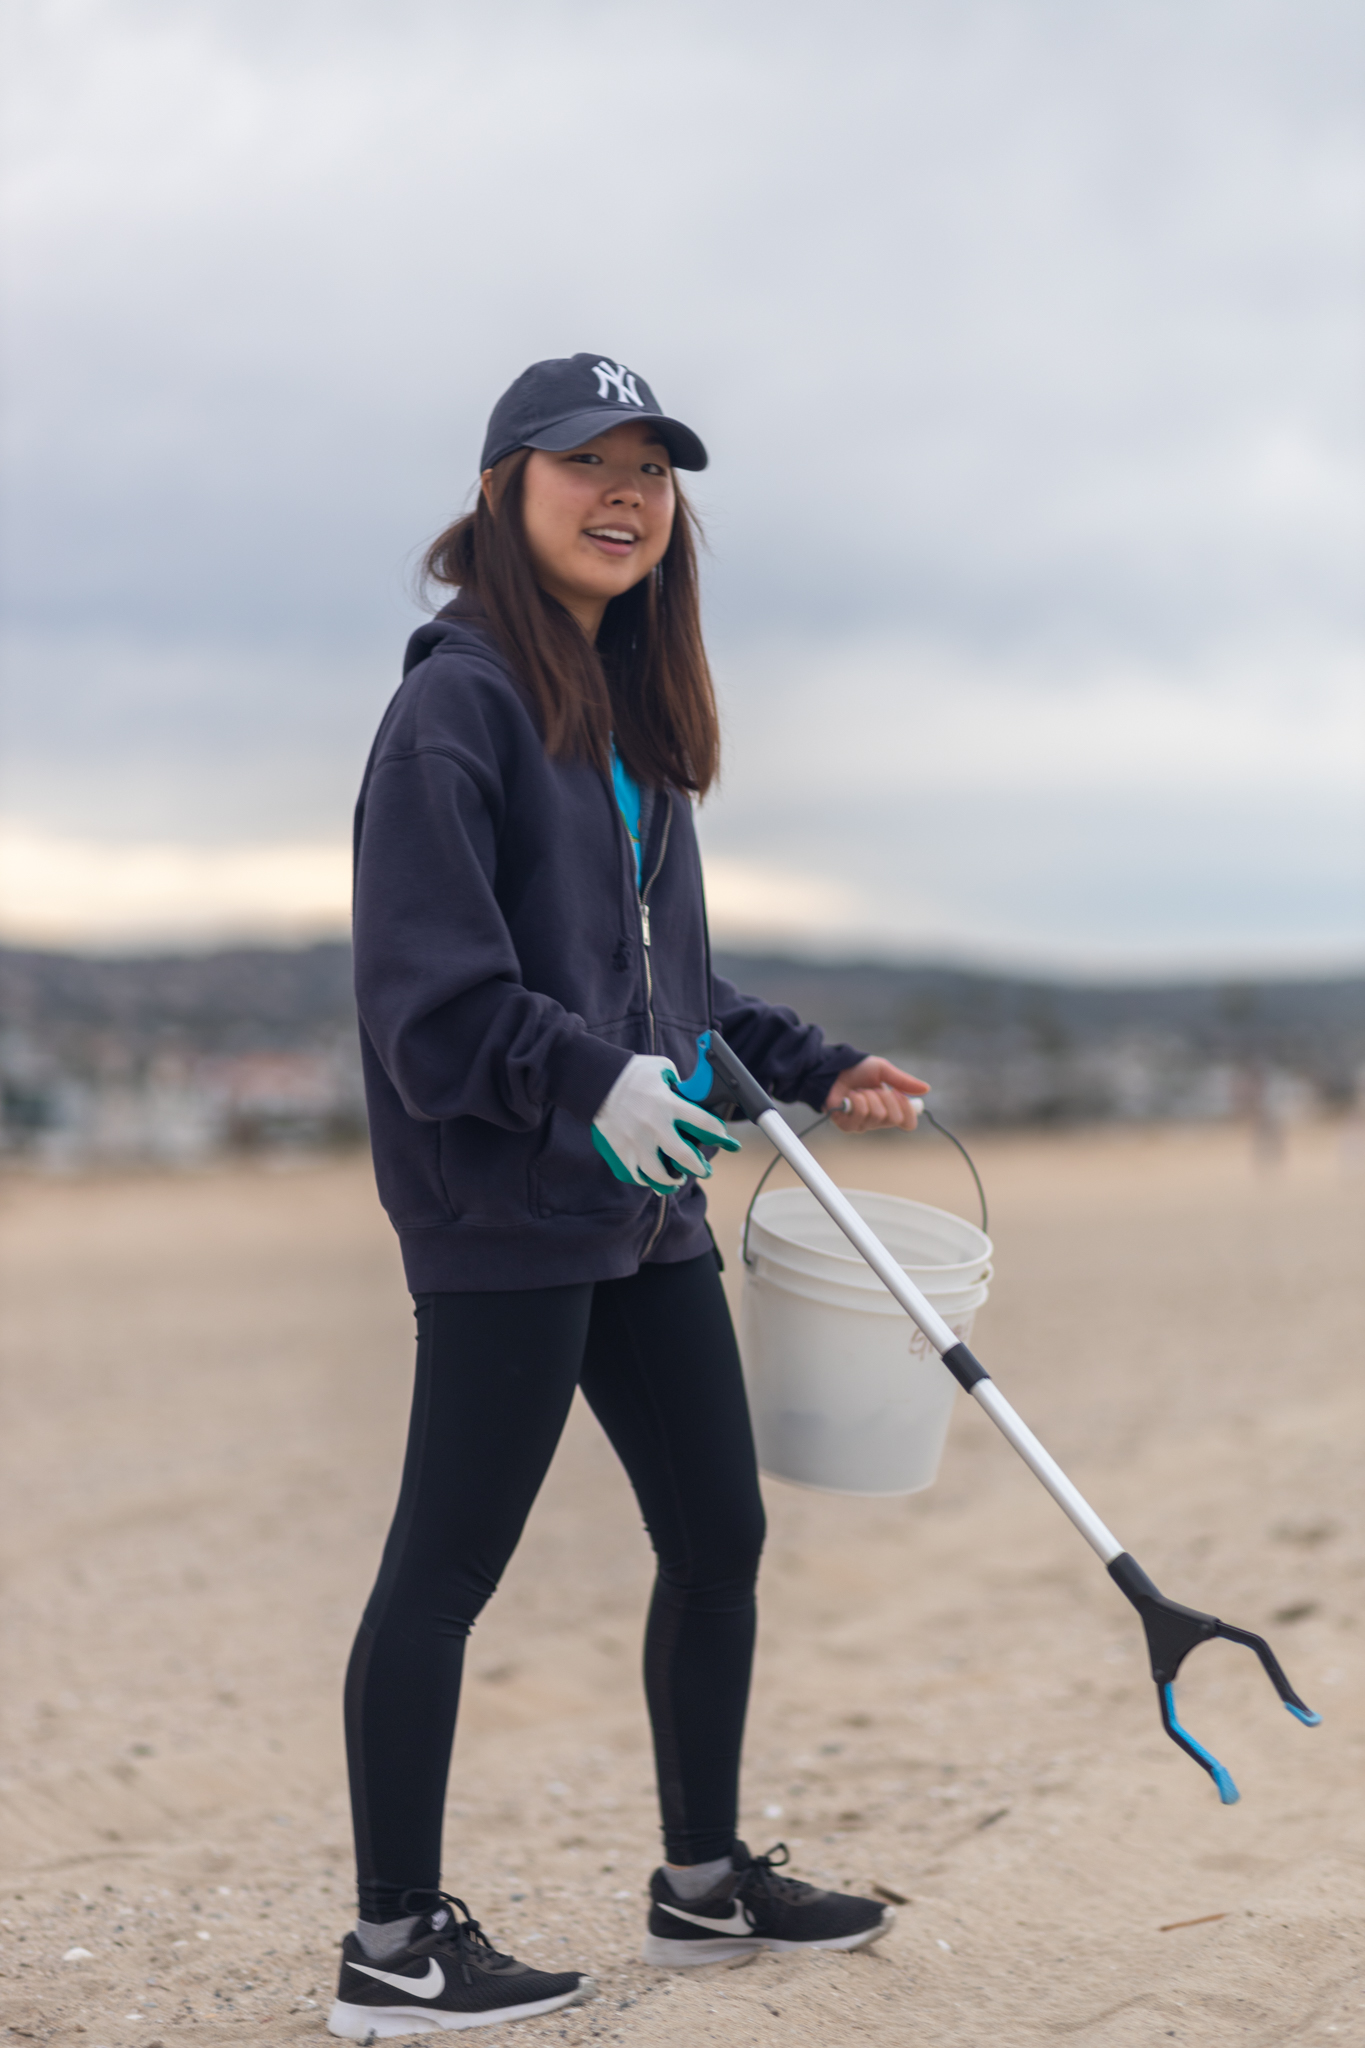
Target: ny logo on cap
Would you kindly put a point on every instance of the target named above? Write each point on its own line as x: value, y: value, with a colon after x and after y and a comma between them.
x: 617, y: 376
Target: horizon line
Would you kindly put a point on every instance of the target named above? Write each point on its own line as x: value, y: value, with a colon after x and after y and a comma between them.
x: 978, y: 963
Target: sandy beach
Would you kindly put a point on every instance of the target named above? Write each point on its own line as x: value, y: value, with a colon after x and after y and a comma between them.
x: 205, y: 1385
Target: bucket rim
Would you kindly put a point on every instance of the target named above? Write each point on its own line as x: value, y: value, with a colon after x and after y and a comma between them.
x: 838, y: 1292
x: 842, y: 1253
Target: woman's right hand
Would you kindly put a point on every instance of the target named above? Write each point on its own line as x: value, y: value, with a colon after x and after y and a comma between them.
x: 646, y: 1131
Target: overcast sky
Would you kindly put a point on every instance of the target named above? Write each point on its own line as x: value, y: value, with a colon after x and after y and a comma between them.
x: 1026, y: 339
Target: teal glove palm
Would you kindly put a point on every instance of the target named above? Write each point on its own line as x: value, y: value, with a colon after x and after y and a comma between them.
x: 649, y: 1135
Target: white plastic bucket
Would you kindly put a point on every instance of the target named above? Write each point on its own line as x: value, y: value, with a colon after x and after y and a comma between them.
x: 845, y: 1393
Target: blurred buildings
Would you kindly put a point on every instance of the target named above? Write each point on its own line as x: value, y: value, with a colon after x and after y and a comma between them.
x: 175, y: 1060
x: 1001, y: 1049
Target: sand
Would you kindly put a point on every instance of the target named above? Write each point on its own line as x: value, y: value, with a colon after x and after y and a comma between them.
x: 204, y: 1404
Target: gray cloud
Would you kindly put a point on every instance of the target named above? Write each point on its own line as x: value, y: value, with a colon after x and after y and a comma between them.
x: 1030, y: 330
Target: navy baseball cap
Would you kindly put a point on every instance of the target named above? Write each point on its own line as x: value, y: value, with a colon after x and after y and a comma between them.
x: 565, y: 401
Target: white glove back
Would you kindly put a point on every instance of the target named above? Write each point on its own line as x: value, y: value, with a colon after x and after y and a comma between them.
x: 646, y: 1131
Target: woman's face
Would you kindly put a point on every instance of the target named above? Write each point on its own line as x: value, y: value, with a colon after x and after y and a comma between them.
x: 598, y: 518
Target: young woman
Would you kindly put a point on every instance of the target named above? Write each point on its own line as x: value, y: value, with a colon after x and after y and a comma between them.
x: 531, y: 967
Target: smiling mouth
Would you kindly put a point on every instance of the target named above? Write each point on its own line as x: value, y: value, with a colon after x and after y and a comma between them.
x: 612, y: 536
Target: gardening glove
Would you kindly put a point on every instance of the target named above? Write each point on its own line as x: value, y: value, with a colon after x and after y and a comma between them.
x: 648, y: 1134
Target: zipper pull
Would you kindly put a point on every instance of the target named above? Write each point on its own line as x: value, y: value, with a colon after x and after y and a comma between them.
x: 644, y: 922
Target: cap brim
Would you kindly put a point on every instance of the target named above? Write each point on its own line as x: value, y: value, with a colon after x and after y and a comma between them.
x: 684, y: 449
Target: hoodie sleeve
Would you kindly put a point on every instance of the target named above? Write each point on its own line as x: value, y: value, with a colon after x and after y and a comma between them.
x: 788, y: 1058
x: 437, y: 976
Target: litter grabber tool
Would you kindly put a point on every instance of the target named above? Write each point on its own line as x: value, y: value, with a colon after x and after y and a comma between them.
x: 723, y: 1085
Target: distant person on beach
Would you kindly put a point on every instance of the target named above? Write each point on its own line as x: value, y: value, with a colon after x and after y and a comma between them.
x: 532, y: 965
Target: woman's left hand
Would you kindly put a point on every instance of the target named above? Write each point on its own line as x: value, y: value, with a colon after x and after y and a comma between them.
x: 879, y: 1097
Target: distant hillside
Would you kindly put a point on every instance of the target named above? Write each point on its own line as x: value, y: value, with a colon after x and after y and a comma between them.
x: 247, y: 1000
x: 217, y: 1047
x: 1006, y: 1049
x: 1315, y: 1027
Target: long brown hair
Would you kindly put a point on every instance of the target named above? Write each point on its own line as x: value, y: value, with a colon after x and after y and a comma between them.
x: 647, y: 680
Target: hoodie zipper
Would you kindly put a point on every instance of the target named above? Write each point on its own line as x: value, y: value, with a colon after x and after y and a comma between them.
x: 642, y: 897
x: 642, y: 894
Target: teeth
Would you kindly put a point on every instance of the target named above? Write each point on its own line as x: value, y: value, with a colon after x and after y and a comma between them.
x: 609, y: 533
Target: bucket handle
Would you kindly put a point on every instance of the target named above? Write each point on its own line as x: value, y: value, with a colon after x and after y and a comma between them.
x: 928, y: 1116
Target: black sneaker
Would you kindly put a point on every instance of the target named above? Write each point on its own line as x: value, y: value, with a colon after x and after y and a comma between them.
x: 755, y: 1908
x: 449, y: 1976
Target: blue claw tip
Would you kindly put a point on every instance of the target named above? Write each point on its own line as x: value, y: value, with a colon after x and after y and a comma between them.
x: 1221, y: 1775
x: 1222, y: 1778
x: 1304, y: 1714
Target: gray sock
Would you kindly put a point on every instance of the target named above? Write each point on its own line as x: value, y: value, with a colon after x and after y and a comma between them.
x: 381, y: 1939
x: 695, y: 1880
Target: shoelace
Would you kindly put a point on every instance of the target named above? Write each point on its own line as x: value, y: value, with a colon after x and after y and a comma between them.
x: 760, y: 1874
x: 464, y: 1936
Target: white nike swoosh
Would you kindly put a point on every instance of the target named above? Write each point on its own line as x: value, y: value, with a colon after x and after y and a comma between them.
x: 430, y: 1986
x: 733, y: 1925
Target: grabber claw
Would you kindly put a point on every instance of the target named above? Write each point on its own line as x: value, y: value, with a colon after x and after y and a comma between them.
x: 1172, y: 1632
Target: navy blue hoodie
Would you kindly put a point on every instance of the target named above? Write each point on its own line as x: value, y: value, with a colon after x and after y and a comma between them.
x: 507, y: 968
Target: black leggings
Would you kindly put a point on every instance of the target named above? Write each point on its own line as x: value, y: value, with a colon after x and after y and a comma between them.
x: 656, y: 1358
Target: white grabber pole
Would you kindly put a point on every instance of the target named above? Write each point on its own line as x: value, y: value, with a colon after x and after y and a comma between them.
x: 722, y: 1083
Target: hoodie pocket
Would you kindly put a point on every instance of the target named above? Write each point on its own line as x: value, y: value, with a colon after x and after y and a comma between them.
x: 486, y: 1171
x: 571, y: 1178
